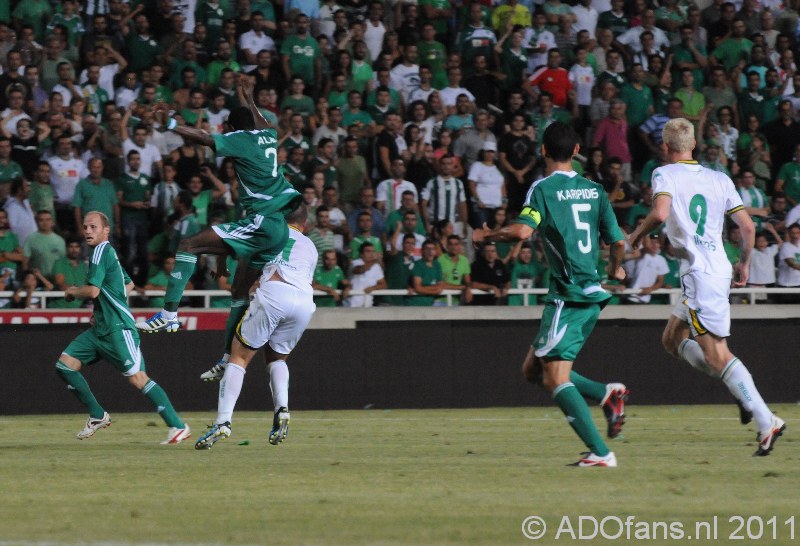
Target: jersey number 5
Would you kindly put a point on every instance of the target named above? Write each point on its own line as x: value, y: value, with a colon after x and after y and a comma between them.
x: 697, y: 212
x: 274, y: 153
x: 580, y: 225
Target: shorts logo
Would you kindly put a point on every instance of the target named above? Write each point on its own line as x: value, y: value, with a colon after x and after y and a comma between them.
x: 128, y: 363
x: 176, y: 275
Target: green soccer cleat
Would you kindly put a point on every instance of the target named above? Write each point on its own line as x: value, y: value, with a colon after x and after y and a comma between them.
x: 214, y: 434
x: 280, y: 426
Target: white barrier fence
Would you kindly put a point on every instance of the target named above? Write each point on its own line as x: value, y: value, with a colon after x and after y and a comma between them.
x: 752, y: 294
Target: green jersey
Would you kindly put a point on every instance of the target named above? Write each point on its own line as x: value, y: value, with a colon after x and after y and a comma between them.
x: 8, y: 243
x: 571, y: 213
x: 359, y: 240
x: 100, y: 197
x: 331, y: 279
x: 430, y: 275
x: 301, y: 53
x: 111, y: 312
x: 790, y: 174
x: 74, y: 275
x: 186, y: 227
x: 134, y: 189
x: 263, y: 188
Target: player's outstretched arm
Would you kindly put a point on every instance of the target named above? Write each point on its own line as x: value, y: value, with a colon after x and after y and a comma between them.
x: 615, y: 257
x: 195, y: 135
x: 245, y: 90
x: 741, y: 270
x: 658, y: 214
x: 81, y: 292
x: 507, y: 234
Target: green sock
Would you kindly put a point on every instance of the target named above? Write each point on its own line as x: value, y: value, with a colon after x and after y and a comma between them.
x: 176, y: 283
x: 78, y: 385
x: 588, y: 388
x: 163, y: 406
x: 238, y: 308
x: 574, y: 407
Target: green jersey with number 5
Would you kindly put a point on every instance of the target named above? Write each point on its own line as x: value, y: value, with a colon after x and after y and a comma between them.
x: 571, y: 214
x: 263, y: 188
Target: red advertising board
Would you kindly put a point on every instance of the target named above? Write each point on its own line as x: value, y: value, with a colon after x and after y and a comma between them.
x: 190, y: 320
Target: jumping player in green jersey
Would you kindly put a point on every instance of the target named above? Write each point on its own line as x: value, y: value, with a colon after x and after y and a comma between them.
x: 112, y: 336
x: 264, y: 193
x: 570, y: 214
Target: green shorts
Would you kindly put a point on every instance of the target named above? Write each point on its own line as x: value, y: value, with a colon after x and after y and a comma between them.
x: 120, y: 348
x: 565, y: 328
x: 256, y: 237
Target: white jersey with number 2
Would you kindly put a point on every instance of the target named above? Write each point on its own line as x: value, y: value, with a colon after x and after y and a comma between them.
x: 700, y: 200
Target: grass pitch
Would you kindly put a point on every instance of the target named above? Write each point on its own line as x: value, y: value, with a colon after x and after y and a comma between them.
x: 387, y: 477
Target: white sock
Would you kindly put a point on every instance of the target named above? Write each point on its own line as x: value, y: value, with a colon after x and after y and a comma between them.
x: 740, y: 383
x: 690, y: 351
x: 229, y: 389
x: 169, y: 314
x: 279, y: 383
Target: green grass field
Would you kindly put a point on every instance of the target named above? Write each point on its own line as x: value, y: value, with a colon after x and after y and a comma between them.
x: 387, y: 477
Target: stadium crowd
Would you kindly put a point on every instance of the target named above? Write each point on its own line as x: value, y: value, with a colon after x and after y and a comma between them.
x: 403, y: 124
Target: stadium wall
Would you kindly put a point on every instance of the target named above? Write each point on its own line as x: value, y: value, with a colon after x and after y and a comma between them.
x: 399, y: 364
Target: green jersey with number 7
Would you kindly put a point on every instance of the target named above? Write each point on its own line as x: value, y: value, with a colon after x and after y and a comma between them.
x: 264, y: 190
x: 571, y: 214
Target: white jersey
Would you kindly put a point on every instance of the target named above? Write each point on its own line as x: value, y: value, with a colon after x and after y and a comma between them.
x: 296, y: 264
x: 700, y: 200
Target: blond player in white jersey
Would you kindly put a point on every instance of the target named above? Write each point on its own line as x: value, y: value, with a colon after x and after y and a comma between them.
x: 279, y: 312
x: 694, y: 201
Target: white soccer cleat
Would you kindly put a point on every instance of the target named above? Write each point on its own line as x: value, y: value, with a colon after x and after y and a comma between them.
x: 93, y: 425
x: 280, y: 426
x: 215, y: 373
x: 767, y: 438
x: 590, y: 459
x: 214, y: 434
x: 158, y: 323
x: 177, y: 435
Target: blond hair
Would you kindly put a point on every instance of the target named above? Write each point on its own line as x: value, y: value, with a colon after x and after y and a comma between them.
x: 678, y: 135
x: 103, y: 218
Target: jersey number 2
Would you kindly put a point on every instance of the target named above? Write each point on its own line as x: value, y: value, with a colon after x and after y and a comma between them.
x: 274, y: 153
x: 697, y: 212
x: 580, y: 225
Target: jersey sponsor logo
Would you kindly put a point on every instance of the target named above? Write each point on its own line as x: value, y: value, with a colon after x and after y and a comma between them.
x: 308, y: 51
x: 587, y: 193
x: 532, y: 215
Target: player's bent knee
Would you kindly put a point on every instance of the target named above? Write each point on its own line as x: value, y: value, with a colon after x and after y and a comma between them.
x: 70, y: 362
x: 138, y: 380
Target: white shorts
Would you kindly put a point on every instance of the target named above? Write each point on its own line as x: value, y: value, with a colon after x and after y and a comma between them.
x: 704, y: 304
x: 278, y: 315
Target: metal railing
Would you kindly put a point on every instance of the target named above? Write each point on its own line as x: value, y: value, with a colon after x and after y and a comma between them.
x: 450, y: 296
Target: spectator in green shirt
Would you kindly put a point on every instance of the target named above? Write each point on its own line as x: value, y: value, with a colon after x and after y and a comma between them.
x: 329, y: 278
x: 69, y: 271
x: 159, y: 282
x: 427, y: 280
x: 96, y: 193
x: 456, y: 269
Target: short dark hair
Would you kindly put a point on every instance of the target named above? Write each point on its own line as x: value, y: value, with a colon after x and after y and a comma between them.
x: 364, y: 246
x: 559, y: 141
x: 185, y: 199
x: 241, y: 119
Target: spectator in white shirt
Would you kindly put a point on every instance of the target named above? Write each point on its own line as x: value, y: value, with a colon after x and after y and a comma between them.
x: 367, y: 276
x: 648, y: 271
x: 253, y: 41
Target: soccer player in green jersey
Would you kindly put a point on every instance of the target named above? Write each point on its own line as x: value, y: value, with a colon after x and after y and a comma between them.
x: 570, y: 214
x: 112, y: 336
x: 264, y: 193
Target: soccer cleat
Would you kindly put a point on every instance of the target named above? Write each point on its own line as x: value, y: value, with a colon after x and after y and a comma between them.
x: 158, y: 323
x: 93, y: 425
x: 177, y: 435
x: 766, y: 439
x: 613, y: 404
x: 280, y: 426
x: 215, y: 373
x: 590, y: 459
x: 214, y: 434
x: 745, y: 416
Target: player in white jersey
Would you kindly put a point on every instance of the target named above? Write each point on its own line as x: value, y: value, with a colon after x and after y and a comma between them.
x: 693, y: 201
x: 279, y: 312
